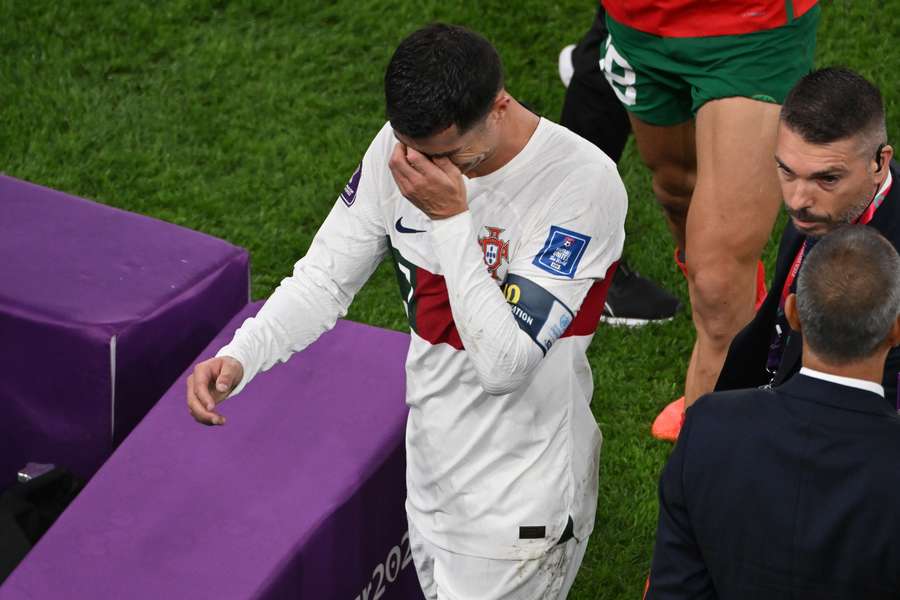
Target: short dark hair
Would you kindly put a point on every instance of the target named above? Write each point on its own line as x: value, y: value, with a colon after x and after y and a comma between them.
x: 834, y: 104
x: 848, y: 293
x: 439, y: 76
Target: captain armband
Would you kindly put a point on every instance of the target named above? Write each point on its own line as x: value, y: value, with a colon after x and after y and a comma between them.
x: 537, y: 312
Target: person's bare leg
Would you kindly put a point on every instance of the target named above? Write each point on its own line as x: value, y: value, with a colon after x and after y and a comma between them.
x: 734, y: 205
x: 670, y: 155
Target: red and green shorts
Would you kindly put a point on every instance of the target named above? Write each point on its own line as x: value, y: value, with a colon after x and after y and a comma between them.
x: 665, y: 81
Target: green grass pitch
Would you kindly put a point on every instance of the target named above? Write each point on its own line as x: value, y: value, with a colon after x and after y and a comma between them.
x: 244, y: 120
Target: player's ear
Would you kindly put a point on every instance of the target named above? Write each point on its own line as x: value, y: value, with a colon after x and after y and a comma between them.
x: 502, y: 102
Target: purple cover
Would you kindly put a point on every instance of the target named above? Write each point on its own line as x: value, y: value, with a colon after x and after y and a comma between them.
x: 300, y: 495
x: 100, y: 310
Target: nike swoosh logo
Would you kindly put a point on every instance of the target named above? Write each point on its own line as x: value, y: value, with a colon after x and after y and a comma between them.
x: 399, y: 226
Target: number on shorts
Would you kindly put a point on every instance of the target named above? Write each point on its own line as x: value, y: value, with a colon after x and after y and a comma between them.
x: 622, y: 85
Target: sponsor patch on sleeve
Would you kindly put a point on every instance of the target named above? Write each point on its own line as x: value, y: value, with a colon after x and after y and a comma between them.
x: 561, y: 252
x: 537, y: 312
x: 348, y: 194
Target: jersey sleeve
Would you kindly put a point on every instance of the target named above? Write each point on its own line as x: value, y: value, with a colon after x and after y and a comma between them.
x: 567, y: 252
x: 505, y: 340
x: 344, y: 252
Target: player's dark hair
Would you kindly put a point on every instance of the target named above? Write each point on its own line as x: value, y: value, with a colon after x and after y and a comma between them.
x: 835, y: 104
x: 439, y: 76
x: 848, y: 293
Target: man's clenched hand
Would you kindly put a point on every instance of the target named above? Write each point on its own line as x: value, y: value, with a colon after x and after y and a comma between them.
x: 209, y: 384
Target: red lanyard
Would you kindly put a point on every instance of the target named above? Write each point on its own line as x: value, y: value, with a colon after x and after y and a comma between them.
x: 792, y: 274
x: 863, y: 219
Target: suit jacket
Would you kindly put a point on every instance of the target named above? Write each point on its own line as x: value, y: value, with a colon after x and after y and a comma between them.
x: 745, y: 364
x: 782, y: 493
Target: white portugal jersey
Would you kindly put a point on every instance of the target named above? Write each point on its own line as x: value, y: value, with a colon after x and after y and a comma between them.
x: 502, y: 300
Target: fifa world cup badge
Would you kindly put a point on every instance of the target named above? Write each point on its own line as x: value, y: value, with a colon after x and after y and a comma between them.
x: 495, y: 250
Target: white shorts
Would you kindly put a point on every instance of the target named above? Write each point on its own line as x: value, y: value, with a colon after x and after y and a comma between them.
x: 445, y: 575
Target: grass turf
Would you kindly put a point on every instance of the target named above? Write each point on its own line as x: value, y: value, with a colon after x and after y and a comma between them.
x: 244, y: 119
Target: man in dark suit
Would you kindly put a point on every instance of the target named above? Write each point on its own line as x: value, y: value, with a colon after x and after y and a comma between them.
x: 791, y: 491
x: 835, y: 168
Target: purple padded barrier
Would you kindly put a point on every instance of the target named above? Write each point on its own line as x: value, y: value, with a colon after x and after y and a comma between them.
x: 100, y: 311
x: 300, y: 495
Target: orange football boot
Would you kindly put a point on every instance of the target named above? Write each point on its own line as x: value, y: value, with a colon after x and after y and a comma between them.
x: 667, y: 424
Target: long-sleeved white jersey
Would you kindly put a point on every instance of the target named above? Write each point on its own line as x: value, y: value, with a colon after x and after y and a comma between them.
x: 503, y: 300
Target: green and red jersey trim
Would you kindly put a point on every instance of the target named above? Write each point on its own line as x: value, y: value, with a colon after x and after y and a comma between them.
x: 705, y: 18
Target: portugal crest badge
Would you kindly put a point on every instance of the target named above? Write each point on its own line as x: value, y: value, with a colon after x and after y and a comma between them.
x: 495, y: 250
